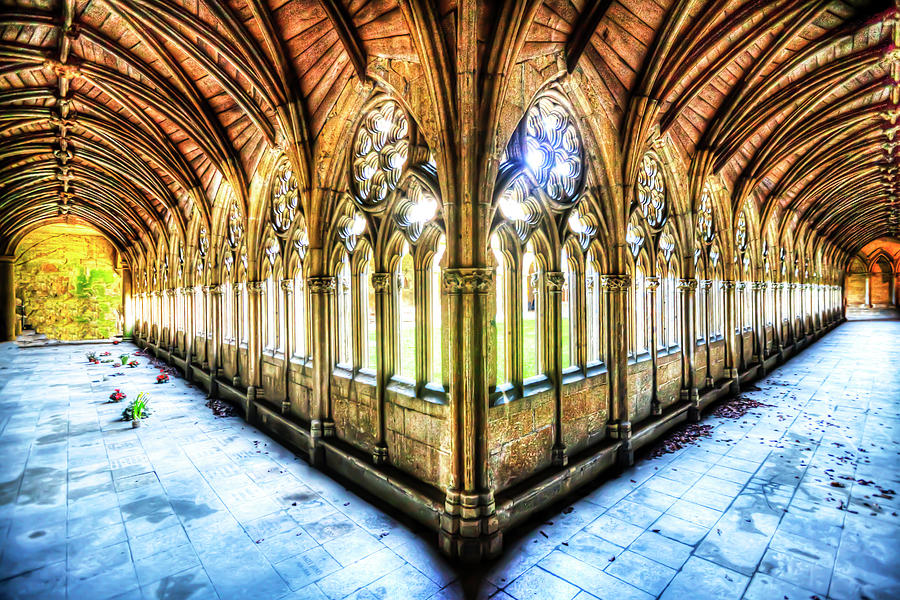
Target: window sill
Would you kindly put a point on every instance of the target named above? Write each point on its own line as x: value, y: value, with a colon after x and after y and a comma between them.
x: 503, y: 394
x: 596, y: 368
x: 301, y: 361
x: 640, y: 357
x: 572, y: 374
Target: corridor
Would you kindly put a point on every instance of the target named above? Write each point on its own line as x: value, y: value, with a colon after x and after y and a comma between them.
x: 796, y: 499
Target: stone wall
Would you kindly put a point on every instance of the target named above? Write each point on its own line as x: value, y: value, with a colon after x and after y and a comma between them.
x: 67, y: 286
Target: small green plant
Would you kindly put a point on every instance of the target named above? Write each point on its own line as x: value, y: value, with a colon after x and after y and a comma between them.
x: 91, y: 356
x: 123, y: 359
x: 138, y: 408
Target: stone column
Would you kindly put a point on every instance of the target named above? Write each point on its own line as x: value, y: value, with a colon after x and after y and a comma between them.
x: 321, y: 301
x: 741, y: 287
x: 170, y: 310
x: 7, y: 298
x: 687, y: 288
x: 207, y: 353
x: 254, y: 292
x: 777, y: 332
x: 868, y: 303
x: 236, y: 290
x: 386, y: 332
x: 759, y: 349
x: 615, y: 290
x: 652, y: 287
x: 554, y: 283
x: 470, y: 529
x: 731, y: 370
x: 287, y: 289
x: 706, y: 286
x: 790, y: 303
x: 127, y: 303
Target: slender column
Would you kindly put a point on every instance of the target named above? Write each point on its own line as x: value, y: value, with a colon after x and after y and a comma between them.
x: 652, y: 287
x: 730, y: 363
x: 321, y: 300
x: 236, y: 289
x: 207, y: 352
x: 170, y: 310
x: 386, y: 332
x: 687, y: 288
x: 127, y: 302
x: 470, y: 528
x: 741, y: 287
x: 7, y: 298
x: 287, y: 289
x: 759, y: 348
x: 868, y: 303
x: 706, y: 286
x: 554, y: 283
x: 777, y: 332
x: 254, y: 293
x: 615, y: 290
x: 790, y: 304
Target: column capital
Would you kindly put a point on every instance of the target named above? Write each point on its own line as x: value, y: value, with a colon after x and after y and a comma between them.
x: 705, y: 284
x: 255, y: 287
x: 287, y: 285
x: 468, y: 280
x: 758, y: 285
x: 322, y: 284
x: 381, y: 282
x: 7, y: 258
x: 616, y: 282
x: 727, y: 284
x: 556, y: 281
x: 216, y: 290
x: 687, y: 284
x: 652, y: 283
x: 169, y: 292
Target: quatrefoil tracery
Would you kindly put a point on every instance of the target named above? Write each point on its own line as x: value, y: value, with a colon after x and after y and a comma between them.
x: 651, y: 192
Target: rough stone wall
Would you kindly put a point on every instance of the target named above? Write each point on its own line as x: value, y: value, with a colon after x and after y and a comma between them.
x: 418, y: 437
x: 520, y: 438
x: 639, y: 387
x: 856, y: 289
x: 354, y: 412
x: 585, y: 408
x: 668, y: 378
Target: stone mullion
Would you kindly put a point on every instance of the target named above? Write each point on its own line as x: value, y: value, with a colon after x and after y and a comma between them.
x: 287, y: 290
x: 689, y: 392
x: 422, y: 328
x: 214, y: 335
x: 254, y: 347
x: 706, y: 286
x: 236, y: 311
x: 652, y: 302
x: 616, y: 289
x: 387, y: 360
x: 553, y: 284
x: 469, y: 525
x: 728, y: 325
x: 790, y: 310
x: 759, y: 353
x: 578, y: 294
x: 322, y: 309
x: 514, y: 306
x: 127, y: 302
x: 170, y: 309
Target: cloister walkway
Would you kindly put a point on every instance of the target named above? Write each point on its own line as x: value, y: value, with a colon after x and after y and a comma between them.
x: 793, y: 500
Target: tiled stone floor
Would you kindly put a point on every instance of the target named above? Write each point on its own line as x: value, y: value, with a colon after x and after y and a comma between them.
x: 202, y: 507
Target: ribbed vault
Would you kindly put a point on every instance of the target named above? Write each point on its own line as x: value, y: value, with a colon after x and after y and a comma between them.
x: 131, y: 114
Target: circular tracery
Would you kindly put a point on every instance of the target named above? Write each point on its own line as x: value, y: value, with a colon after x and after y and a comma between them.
x: 705, y: 223
x: 380, y: 149
x: 553, y: 150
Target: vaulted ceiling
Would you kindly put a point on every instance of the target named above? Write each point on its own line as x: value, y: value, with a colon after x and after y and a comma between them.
x: 130, y: 114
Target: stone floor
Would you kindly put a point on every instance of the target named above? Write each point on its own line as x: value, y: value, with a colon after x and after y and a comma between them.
x: 794, y: 500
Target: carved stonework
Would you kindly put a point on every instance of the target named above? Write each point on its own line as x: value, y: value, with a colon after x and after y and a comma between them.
x: 287, y: 285
x: 255, y: 287
x: 758, y: 285
x: 687, y: 284
x: 469, y: 280
x: 216, y: 290
x: 615, y: 283
x: 705, y: 284
x: 381, y: 283
x: 322, y: 284
x: 556, y: 281
x: 169, y: 292
x: 727, y: 284
x: 652, y: 283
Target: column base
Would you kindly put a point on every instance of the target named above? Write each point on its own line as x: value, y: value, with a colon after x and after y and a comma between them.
x: 236, y: 381
x: 470, y: 530
x: 286, y: 407
x: 560, y: 459
x: 316, y: 452
x: 709, y: 382
x: 327, y: 428
x: 655, y: 408
x: 380, y: 455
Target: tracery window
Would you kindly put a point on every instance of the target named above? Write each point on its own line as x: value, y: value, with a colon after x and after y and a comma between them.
x: 435, y: 328
x: 639, y: 323
x: 539, y: 184
x: 593, y: 309
x: 345, y: 313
